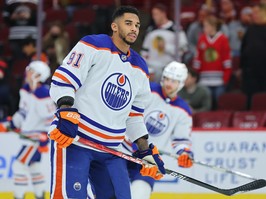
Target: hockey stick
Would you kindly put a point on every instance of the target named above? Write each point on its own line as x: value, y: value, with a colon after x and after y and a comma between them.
x: 257, y: 184
x: 212, y: 166
x: 24, y: 136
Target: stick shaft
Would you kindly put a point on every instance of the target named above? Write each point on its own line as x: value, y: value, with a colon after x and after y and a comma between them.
x: 212, y: 166
x: 247, y: 187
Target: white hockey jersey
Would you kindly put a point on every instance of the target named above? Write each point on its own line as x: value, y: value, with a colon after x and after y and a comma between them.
x: 36, y: 111
x: 109, y: 87
x: 169, y: 123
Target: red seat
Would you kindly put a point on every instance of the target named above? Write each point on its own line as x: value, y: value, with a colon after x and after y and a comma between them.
x: 84, y: 16
x: 19, y: 66
x: 4, y: 34
x: 212, y: 119
x: 71, y: 29
x: 232, y: 102
x: 258, y: 102
x: 102, y: 3
x: 56, y: 15
x: 249, y: 119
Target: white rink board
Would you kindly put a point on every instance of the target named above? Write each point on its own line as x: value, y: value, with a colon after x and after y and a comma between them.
x: 243, y: 151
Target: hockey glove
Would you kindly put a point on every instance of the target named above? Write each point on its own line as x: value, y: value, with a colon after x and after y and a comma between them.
x: 67, y: 127
x: 185, y: 158
x: 156, y: 168
x: 7, y: 125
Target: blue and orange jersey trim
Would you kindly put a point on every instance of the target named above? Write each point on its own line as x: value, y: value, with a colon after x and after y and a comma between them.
x: 104, y: 42
x: 176, y: 102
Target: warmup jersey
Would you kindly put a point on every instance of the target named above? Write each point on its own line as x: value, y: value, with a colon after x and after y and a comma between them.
x: 36, y: 111
x: 168, y: 123
x: 109, y: 87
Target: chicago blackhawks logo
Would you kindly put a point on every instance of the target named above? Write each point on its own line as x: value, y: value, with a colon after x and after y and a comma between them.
x: 116, y: 91
x: 156, y: 122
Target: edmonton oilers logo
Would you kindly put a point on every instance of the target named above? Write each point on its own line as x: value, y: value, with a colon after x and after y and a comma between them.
x: 156, y: 122
x: 116, y: 91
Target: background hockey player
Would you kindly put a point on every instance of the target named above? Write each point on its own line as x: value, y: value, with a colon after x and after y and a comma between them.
x: 32, y: 119
x: 169, y: 122
x: 100, y: 90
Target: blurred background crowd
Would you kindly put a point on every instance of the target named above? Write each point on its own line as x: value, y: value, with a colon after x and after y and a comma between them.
x: 222, y: 42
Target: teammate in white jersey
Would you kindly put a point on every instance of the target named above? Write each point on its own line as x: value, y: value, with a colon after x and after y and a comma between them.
x: 33, y: 119
x: 169, y: 122
x: 101, y: 90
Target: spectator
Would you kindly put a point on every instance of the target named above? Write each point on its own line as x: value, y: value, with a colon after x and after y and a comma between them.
x: 29, y: 49
x: 56, y: 44
x: 229, y: 16
x: 253, y: 60
x: 159, y: 46
x: 197, y: 96
x: 245, y: 20
x: 213, y: 60
x: 21, y: 18
x: 195, y: 29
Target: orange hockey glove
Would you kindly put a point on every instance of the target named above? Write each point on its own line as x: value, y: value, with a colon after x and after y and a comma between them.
x: 185, y: 158
x: 7, y: 125
x: 3, y: 128
x: 156, y: 168
x: 67, y: 127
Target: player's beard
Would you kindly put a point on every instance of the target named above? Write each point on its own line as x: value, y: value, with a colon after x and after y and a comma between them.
x: 125, y: 40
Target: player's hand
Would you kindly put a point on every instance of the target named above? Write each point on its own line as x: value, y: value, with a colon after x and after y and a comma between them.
x: 43, y: 143
x: 67, y: 127
x: 156, y: 168
x: 185, y: 158
x: 3, y: 128
x: 7, y: 125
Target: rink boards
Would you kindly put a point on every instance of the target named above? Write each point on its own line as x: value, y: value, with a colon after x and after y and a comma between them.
x: 238, y: 150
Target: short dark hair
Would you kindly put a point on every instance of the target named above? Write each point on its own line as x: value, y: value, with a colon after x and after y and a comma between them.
x: 29, y: 40
x: 120, y: 11
x: 160, y: 7
x: 193, y: 73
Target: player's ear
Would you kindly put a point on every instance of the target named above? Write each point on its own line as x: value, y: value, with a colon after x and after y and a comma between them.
x: 114, y: 27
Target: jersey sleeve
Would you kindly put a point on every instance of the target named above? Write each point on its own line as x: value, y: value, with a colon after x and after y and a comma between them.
x: 70, y: 76
x: 46, y: 109
x: 135, y: 123
x: 182, y: 131
x: 20, y: 115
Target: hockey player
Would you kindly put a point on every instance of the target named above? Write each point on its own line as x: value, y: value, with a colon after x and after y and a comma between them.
x: 169, y: 122
x: 33, y: 119
x: 100, y: 90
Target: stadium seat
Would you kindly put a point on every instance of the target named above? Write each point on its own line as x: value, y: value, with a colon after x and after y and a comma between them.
x: 84, y: 16
x: 249, y: 119
x: 102, y: 3
x: 232, y: 102
x: 52, y: 15
x: 258, y: 102
x: 71, y: 29
x: 212, y: 119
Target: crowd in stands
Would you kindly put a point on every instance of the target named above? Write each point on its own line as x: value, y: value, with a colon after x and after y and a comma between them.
x: 222, y: 42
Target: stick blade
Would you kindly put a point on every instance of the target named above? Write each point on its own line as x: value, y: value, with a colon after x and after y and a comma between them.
x: 257, y: 184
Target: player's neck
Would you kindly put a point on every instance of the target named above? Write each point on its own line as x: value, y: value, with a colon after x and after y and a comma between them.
x: 120, y: 44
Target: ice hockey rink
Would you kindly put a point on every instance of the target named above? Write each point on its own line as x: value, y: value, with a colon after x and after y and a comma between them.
x: 236, y: 150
